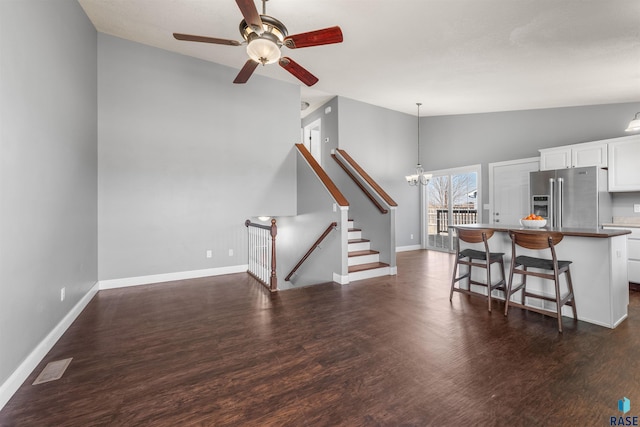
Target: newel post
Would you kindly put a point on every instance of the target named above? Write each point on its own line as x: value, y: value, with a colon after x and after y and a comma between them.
x: 274, y: 279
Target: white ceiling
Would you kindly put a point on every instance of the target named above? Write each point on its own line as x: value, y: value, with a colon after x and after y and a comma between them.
x: 454, y: 56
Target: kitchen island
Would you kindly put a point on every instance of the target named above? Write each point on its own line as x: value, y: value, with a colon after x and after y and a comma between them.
x: 599, y: 270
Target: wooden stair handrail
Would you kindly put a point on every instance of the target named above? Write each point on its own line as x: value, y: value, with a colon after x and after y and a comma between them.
x: 311, y: 249
x: 359, y: 184
x: 388, y: 200
x: 324, y: 178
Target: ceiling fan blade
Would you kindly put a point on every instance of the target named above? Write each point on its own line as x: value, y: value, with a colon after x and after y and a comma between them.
x: 314, y: 38
x: 298, y: 71
x: 192, y: 38
x: 251, y: 15
x: 248, y: 69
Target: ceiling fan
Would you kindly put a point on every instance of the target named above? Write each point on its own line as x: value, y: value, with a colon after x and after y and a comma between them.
x: 264, y: 36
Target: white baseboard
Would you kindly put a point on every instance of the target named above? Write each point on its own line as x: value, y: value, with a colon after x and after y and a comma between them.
x: 393, y: 271
x: 11, y: 385
x: 408, y: 248
x: 338, y: 278
x: 169, y: 277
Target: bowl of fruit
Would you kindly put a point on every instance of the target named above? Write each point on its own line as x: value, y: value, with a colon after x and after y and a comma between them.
x: 533, y: 221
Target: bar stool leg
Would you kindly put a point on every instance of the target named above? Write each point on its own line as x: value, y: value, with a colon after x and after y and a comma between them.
x: 508, y: 287
x: 453, y: 279
x: 504, y: 279
x: 524, y: 284
x: 556, y: 280
x: 573, y: 296
x: 489, y: 283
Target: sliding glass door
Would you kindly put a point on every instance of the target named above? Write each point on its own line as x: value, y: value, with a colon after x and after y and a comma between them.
x: 451, y: 198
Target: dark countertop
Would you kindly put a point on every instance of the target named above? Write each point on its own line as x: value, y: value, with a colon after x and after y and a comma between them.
x: 578, y: 232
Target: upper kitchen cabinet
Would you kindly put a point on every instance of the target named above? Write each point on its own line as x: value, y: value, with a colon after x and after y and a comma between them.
x: 574, y: 156
x: 624, y: 157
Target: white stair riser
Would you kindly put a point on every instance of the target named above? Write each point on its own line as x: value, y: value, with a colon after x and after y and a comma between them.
x: 368, y: 274
x: 354, y: 234
x: 350, y: 224
x: 363, y: 259
x: 364, y: 246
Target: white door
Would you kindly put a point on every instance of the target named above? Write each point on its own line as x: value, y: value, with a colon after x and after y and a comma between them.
x: 312, y: 139
x: 509, y: 190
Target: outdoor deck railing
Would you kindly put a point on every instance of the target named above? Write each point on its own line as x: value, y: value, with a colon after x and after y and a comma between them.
x: 460, y: 216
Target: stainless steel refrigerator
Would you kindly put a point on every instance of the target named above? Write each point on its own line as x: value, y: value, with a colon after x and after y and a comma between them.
x: 574, y: 197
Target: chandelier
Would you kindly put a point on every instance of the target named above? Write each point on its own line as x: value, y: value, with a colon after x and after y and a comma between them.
x: 419, y: 177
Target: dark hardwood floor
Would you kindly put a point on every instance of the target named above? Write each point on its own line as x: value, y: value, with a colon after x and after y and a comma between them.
x: 389, y: 351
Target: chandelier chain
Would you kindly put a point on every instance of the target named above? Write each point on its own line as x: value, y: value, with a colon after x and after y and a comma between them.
x: 419, y: 104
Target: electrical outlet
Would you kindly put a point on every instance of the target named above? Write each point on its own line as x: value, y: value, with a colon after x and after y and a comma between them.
x: 412, y: 237
x: 636, y: 208
x: 209, y: 253
x: 62, y: 294
x: 230, y: 252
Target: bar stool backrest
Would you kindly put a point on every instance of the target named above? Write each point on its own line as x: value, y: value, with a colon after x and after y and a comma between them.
x: 536, y: 239
x: 474, y: 235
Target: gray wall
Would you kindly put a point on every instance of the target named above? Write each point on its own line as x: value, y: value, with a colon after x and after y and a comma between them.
x: 462, y: 140
x: 48, y: 172
x: 185, y: 156
x: 384, y: 143
x: 328, y: 130
x: 296, y: 234
x: 623, y: 204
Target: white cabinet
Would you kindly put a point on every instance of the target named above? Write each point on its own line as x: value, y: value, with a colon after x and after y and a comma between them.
x: 624, y: 158
x: 633, y: 253
x: 574, y: 156
x: 555, y: 158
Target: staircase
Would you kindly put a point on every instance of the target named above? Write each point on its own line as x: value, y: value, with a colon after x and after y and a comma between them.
x: 364, y: 263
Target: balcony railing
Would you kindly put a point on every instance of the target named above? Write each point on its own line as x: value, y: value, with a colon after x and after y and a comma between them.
x: 460, y: 216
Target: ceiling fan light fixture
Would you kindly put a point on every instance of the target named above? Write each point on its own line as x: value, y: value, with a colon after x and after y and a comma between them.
x: 263, y: 50
x: 634, y: 125
x: 265, y: 36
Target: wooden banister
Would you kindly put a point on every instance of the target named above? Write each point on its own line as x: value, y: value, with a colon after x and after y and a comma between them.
x: 326, y: 181
x: 388, y: 200
x: 311, y: 249
x: 273, y: 231
x: 360, y: 185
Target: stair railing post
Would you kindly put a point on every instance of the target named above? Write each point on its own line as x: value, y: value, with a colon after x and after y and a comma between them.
x: 274, y: 278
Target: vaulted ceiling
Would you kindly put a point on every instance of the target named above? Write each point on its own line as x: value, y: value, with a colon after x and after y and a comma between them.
x: 454, y: 56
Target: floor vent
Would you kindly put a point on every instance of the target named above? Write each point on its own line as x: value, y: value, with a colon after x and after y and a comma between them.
x: 53, y: 371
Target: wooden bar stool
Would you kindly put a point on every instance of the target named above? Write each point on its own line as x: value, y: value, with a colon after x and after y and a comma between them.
x: 476, y: 258
x: 553, y: 268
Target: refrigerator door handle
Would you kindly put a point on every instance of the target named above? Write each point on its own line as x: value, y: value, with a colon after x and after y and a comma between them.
x: 552, y: 198
x: 560, y: 200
